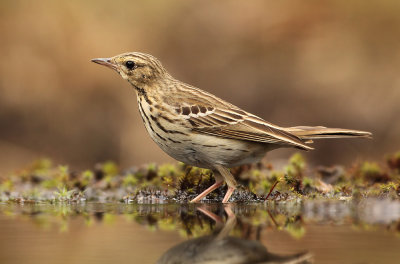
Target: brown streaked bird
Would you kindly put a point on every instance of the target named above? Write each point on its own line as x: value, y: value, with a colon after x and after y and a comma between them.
x: 202, y: 130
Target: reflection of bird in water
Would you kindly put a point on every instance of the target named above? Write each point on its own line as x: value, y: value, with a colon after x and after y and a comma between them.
x: 220, y: 248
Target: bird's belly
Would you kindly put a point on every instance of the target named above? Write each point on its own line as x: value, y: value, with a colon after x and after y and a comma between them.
x: 206, y: 151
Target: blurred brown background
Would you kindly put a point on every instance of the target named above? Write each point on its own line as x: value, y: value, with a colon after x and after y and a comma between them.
x: 333, y: 63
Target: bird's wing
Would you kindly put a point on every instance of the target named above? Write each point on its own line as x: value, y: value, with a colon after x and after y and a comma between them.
x: 229, y: 121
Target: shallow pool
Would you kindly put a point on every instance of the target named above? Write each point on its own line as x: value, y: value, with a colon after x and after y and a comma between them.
x: 366, y: 231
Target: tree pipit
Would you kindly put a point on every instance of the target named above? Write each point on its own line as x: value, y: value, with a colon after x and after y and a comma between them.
x: 202, y: 130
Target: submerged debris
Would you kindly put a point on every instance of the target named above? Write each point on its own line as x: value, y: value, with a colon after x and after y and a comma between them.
x: 43, y: 182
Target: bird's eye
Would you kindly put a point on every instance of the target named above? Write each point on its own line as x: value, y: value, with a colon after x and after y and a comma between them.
x: 130, y: 65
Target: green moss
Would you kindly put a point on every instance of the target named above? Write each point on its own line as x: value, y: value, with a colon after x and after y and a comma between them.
x: 50, y: 183
x: 110, y: 168
x: 276, y: 176
x: 152, y: 167
x: 342, y: 188
x: 63, y: 194
x: 62, y: 173
x: 294, y: 172
x: 372, y: 172
x: 6, y: 185
x: 41, y: 166
x: 129, y: 180
x: 297, y: 161
x: 168, y: 174
x: 87, y: 175
x: 393, y: 162
x: 370, y: 168
x: 181, y: 183
x: 307, y: 182
x: 256, y: 173
x: 390, y: 186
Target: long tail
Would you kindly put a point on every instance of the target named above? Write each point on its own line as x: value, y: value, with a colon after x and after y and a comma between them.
x: 309, y: 133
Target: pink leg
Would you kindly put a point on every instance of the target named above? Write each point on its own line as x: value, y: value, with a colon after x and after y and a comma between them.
x: 210, y: 189
x: 229, y: 179
x: 228, y: 194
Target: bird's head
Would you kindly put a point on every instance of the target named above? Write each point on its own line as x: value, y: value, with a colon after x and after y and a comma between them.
x: 138, y: 68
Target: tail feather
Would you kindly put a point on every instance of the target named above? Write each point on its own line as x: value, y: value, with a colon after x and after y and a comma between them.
x: 318, y: 132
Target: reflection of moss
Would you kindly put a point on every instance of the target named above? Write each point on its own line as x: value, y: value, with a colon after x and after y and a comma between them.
x: 295, y: 227
x: 290, y: 217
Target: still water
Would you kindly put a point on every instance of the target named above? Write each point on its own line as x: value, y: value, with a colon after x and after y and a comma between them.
x: 292, y: 232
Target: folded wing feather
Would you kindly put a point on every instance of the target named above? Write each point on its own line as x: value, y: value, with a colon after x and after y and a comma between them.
x: 238, y: 124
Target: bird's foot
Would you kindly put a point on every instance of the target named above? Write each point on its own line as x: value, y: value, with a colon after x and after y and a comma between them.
x: 204, y: 194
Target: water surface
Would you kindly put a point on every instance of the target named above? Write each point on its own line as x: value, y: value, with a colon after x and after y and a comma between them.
x: 291, y: 232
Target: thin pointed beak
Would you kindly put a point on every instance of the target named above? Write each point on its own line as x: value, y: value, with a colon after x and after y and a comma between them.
x: 106, y: 62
